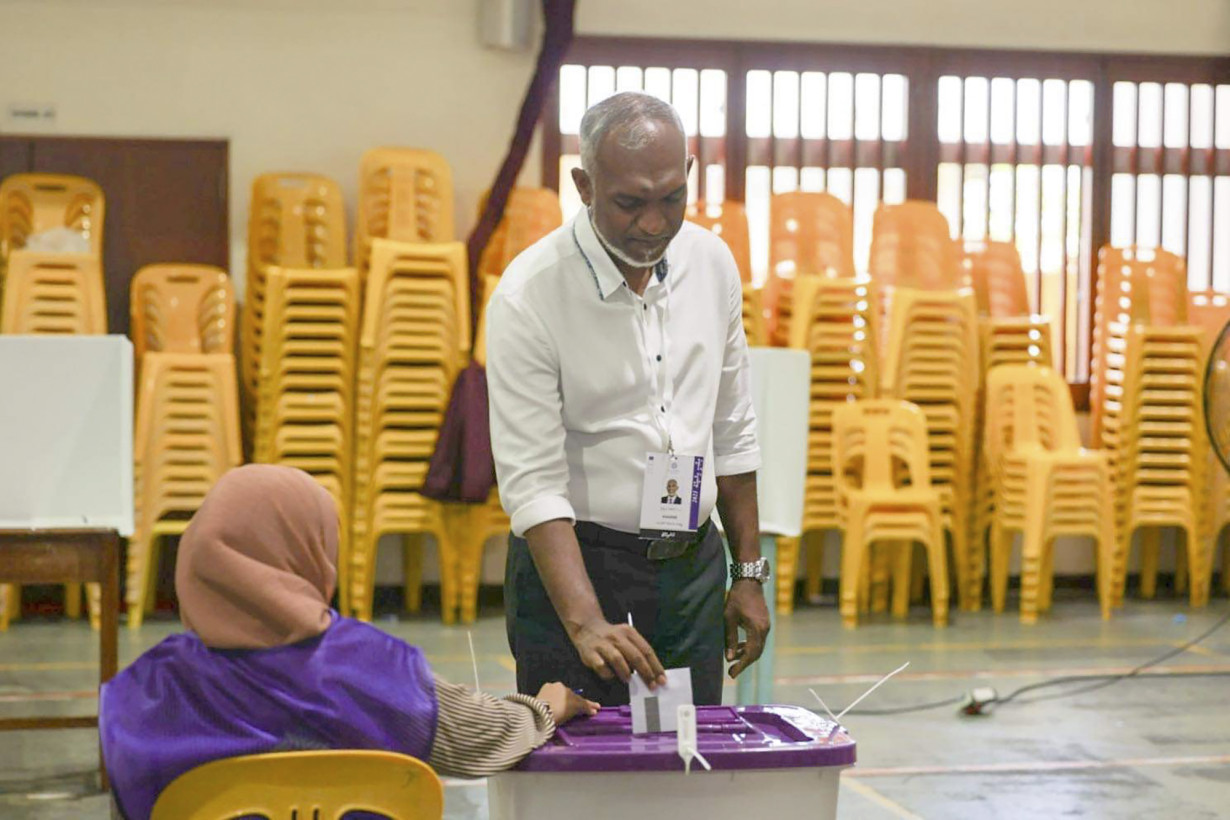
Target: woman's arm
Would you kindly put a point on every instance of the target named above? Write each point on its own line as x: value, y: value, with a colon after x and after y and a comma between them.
x: 478, y: 735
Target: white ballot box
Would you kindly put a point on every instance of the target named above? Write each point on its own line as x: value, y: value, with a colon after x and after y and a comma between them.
x: 66, y: 408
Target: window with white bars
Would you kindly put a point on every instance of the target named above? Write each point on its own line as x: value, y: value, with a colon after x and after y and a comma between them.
x: 840, y: 132
x: 1016, y: 165
x: 1055, y: 153
x: 1171, y: 180
x: 699, y: 95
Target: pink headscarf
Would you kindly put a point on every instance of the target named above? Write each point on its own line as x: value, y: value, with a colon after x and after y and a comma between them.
x: 258, y: 564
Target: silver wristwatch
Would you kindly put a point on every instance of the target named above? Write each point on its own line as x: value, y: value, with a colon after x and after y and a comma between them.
x: 756, y: 570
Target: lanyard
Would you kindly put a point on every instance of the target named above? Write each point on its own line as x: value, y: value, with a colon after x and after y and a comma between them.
x: 660, y: 383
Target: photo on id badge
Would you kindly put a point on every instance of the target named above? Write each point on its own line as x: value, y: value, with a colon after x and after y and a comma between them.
x: 668, y: 499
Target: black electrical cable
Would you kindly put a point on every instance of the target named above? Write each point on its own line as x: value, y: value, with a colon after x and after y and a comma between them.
x: 1098, y: 682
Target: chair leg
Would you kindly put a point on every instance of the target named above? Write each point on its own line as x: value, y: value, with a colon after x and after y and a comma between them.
x: 918, y: 574
x: 813, y: 542
x: 1181, y: 568
x: 1046, y: 588
x: 1199, y: 576
x: 1104, y: 544
x: 447, y: 550
x: 1150, y: 551
x: 1031, y: 570
x: 412, y: 570
x: 93, y: 600
x: 363, y: 586
x: 787, y: 568
x: 967, y: 587
x: 903, y: 560
x: 7, y: 593
x: 469, y: 533
x: 1001, y: 555
x: 882, y: 555
x: 937, y: 563
x: 1225, y: 562
x: 852, y: 552
x: 138, y: 574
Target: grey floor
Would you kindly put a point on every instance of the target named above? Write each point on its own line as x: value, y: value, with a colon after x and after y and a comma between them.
x: 1153, y: 747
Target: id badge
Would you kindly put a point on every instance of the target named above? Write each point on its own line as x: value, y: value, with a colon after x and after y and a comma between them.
x: 670, y: 498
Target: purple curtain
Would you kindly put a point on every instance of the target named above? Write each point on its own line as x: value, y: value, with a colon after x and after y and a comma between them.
x: 462, y: 468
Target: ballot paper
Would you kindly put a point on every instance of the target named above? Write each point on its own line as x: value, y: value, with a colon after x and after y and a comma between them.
x: 657, y: 710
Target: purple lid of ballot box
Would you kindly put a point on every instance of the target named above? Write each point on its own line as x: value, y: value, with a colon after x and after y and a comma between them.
x: 729, y: 737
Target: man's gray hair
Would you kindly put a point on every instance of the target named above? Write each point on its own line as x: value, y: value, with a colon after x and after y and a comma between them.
x: 628, y: 115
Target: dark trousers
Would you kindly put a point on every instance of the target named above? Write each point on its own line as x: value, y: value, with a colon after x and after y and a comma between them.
x: 676, y: 605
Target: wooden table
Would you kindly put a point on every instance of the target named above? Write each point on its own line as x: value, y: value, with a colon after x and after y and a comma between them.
x: 68, y: 556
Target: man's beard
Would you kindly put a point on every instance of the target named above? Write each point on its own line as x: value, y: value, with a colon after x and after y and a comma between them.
x: 626, y: 258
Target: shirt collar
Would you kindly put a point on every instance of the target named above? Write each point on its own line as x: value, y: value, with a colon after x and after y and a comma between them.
x: 606, y: 275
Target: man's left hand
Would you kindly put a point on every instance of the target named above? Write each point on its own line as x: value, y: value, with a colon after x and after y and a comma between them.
x: 745, y: 607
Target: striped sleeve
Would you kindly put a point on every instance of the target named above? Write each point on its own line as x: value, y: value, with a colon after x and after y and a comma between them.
x: 478, y: 735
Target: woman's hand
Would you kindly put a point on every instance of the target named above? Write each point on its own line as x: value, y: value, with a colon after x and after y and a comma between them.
x: 564, y: 703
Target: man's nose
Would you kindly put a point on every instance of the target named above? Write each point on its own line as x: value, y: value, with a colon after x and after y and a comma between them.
x: 653, y: 222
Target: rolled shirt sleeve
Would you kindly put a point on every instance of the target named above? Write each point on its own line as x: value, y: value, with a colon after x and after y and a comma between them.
x: 735, y: 448
x: 478, y: 735
x: 527, y: 428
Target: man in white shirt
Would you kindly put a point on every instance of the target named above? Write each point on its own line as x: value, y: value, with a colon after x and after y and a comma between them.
x: 616, y: 358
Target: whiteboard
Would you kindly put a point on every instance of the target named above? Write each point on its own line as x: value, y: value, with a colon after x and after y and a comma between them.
x: 66, y: 407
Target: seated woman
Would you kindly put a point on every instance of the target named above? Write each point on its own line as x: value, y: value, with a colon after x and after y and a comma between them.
x: 268, y: 666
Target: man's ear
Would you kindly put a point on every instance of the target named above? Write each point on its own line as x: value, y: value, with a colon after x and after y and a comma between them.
x: 585, y: 186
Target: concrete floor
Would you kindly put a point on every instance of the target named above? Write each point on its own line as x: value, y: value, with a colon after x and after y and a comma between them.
x: 1154, y: 747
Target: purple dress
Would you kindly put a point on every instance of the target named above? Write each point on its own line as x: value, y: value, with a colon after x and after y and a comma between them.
x: 182, y: 704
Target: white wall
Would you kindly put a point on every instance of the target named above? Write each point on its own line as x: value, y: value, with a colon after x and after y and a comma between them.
x: 1168, y: 26
x: 303, y: 85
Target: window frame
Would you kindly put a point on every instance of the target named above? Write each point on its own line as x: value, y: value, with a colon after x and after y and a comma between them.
x: 921, y: 152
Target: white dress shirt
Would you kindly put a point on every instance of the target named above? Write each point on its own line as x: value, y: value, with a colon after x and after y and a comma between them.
x: 585, y: 377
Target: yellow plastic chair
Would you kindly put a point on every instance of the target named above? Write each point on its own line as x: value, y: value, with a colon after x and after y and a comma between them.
x: 809, y: 234
x: 1045, y: 483
x: 912, y: 247
x: 754, y: 326
x: 57, y: 293
x: 529, y: 215
x: 33, y: 203
x: 305, y: 786
x: 995, y: 273
x: 729, y: 221
x: 884, y: 493
x: 181, y: 309
x: 405, y: 194
x: 1210, y: 311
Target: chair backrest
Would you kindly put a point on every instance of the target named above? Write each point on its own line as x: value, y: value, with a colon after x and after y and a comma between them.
x: 442, y: 262
x: 305, y: 786
x: 296, y: 221
x: 885, y: 435
x: 995, y: 273
x: 182, y: 309
x: 34, y: 203
x: 729, y: 221
x: 1028, y: 405
x: 810, y: 233
x: 529, y: 215
x: 53, y: 293
x: 405, y: 194
x: 479, y: 354
x: 912, y: 246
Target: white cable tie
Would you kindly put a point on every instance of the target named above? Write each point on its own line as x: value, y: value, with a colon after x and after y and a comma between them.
x: 874, y: 687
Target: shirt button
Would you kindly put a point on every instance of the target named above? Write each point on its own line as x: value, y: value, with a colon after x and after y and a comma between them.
x: 663, y: 408
x: 659, y: 358
x: 645, y: 306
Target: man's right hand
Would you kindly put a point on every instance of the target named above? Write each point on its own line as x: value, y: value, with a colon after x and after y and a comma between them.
x: 618, y: 650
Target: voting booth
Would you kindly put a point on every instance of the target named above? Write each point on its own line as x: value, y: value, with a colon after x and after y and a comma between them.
x: 765, y: 761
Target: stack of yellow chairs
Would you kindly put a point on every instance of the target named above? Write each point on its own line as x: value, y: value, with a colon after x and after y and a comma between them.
x: 1010, y: 335
x: 295, y: 221
x: 529, y: 215
x: 406, y: 195
x: 932, y: 360
x: 1046, y: 484
x: 1210, y: 311
x: 50, y: 292
x: 1148, y: 410
x: 809, y: 234
x: 885, y: 494
x: 415, y: 339
x: 305, y: 404
x: 187, y: 425
x: 834, y: 321
x: 729, y: 221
